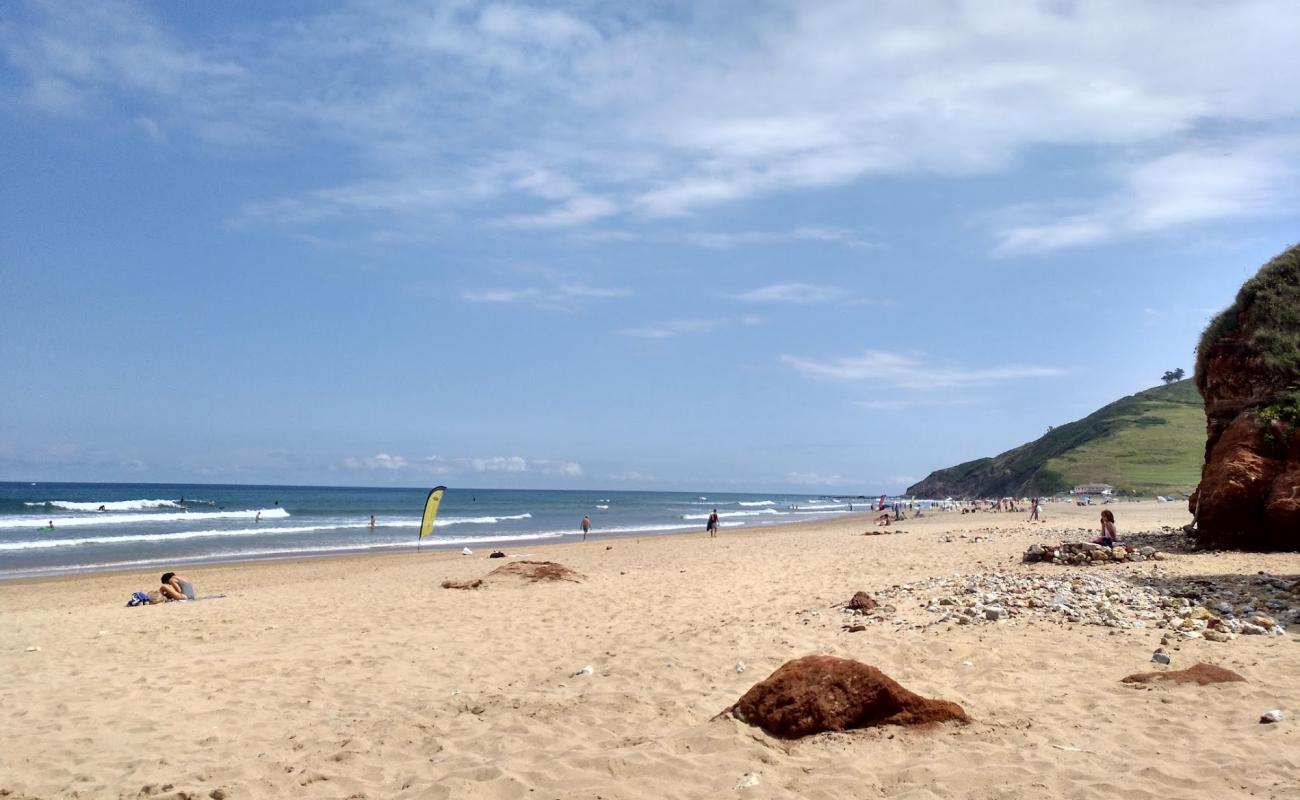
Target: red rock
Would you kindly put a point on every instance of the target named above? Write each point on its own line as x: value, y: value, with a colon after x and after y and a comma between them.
x: 862, y: 602
x: 1248, y: 372
x: 824, y: 693
x: 1199, y: 674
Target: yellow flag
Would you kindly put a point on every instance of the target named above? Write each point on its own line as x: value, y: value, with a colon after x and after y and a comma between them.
x: 431, y: 510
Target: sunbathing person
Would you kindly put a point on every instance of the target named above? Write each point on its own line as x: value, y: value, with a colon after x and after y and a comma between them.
x: 176, y: 587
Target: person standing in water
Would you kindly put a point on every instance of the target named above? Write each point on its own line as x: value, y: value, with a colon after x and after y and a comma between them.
x: 586, y: 526
x: 258, y: 518
x: 372, y: 522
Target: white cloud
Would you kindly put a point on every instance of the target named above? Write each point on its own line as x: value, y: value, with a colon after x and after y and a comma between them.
x: 499, y: 464
x: 792, y: 293
x: 808, y: 233
x: 815, y: 479
x: 910, y: 372
x: 561, y: 296
x: 672, y: 328
x: 633, y: 475
x: 1203, y: 183
x: 380, y: 461
x: 439, y: 465
x: 548, y: 118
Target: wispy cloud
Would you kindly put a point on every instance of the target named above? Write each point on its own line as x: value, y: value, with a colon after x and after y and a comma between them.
x: 591, y: 114
x: 672, y: 328
x: 561, y: 296
x: 900, y: 403
x: 800, y: 293
x: 815, y: 479
x: 1199, y: 184
x: 728, y: 239
x: 910, y: 371
x: 379, y: 461
x: 439, y: 465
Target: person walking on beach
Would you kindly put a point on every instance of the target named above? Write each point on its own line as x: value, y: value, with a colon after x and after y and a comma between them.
x: 586, y: 526
x: 1033, y: 511
x: 712, y: 527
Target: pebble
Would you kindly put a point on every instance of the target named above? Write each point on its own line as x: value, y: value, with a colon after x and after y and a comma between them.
x: 1272, y: 715
x: 1183, y: 608
x: 33, y: 649
x: 749, y: 779
x: 587, y: 670
x: 1160, y: 657
x: 740, y: 666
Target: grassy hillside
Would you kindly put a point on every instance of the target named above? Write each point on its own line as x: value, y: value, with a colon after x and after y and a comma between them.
x: 1152, y: 442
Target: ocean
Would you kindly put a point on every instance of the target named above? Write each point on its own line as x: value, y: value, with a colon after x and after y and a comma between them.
x: 56, y: 528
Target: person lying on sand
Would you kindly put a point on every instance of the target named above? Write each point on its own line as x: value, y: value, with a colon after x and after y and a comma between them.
x: 176, y: 587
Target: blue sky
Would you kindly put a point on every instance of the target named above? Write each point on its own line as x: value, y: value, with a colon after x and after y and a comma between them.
x: 824, y: 247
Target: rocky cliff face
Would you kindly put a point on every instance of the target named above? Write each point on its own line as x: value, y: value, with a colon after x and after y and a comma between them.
x: 1248, y: 372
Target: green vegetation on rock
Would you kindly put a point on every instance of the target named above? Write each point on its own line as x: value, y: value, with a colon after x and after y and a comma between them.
x: 1271, y: 301
x: 1152, y: 442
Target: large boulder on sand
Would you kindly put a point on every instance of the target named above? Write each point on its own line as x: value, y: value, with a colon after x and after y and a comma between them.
x: 824, y: 693
x: 528, y: 571
x: 1248, y: 371
x: 1201, y: 674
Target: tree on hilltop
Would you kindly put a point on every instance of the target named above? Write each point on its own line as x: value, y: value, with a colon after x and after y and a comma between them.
x: 1173, y: 375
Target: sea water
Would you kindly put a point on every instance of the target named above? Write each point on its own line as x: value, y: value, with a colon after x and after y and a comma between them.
x: 100, y: 526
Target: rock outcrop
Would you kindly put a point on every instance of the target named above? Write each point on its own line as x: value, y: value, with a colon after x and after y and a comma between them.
x: 1248, y: 372
x: 529, y: 571
x: 824, y: 693
x: 1200, y: 674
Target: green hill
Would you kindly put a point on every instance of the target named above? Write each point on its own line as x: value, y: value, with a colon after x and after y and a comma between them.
x: 1152, y: 442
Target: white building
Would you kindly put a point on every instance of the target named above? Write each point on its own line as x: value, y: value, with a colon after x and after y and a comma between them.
x: 1094, y: 488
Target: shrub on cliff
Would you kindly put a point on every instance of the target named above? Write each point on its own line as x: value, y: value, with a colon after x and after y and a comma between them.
x: 1266, y: 314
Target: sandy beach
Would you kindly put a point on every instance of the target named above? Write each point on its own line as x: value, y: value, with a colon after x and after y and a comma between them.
x: 362, y: 677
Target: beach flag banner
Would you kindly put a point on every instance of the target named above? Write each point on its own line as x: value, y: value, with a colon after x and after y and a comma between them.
x: 430, y: 513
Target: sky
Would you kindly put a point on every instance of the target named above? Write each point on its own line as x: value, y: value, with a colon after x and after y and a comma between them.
x: 729, y: 246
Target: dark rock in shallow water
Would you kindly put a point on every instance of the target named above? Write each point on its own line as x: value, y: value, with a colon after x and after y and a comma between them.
x: 824, y: 693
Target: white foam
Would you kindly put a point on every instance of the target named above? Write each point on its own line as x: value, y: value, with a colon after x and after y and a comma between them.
x: 756, y: 513
x: 443, y: 522
x: 603, y: 508
x: 114, y: 505
x: 284, y: 552
x: 125, y: 519
x: 41, y: 544
x: 758, y: 503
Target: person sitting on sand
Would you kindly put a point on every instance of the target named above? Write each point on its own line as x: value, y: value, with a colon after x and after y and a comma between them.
x: 176, y: 587
x: 883, y: 519
x: 1108, y: 536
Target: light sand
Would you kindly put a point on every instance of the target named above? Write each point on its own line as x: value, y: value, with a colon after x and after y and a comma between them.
x: 361, y: 677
